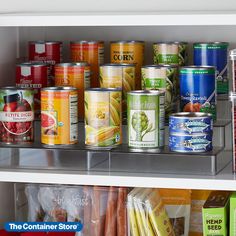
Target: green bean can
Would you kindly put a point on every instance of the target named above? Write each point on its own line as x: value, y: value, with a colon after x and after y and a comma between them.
x: 146, y: 118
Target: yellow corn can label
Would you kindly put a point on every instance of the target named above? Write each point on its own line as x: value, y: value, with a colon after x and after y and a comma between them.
x: 103, y: 117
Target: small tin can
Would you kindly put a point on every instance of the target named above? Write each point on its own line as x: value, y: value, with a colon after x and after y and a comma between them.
x: 198, y: 89
x: 191, y: 143
x: 131, y: 52
x: 93, y: 53
x: 214, y: 54
x: 233, y: 101
x: 183, y: 53
x: 145, y: 119
x: 233, y: 67
x: 16, y: 115
x: 190, y: 123
x: 32, y: 75
x: 118, y: 76
x: 77, y: 75
x: 59, y: 115
x: 103, y: 117
x: 49, y: 52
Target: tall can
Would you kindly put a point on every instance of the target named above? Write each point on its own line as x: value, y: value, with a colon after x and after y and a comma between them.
x: 77, y: 75
x: 93, y: 53
x: 146, y: 118
x: 198, y: 89
x: 16, y: 115
x: 103, y: 117
x: 59, y: 115
x: 131, y: 52
x: 118, y: 76
x: 49, y: 52
x: 32, y: 75
x: 214, y: 54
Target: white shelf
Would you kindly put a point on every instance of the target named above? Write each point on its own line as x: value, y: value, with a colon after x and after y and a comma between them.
x: 192, y: 18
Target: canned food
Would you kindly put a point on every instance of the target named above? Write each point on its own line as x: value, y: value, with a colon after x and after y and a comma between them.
x: 131, y: 52
x: 145, y: 119
x: 118, y: 76
x: 35, y: 76
x: 49, y: 52
x: 76, y: 75
x: 16, y: 115
x: 183, y: 53
x: 59, y: 115
x: 233, y: 100
x: 233, y: 64
x: 214, y: 54
x: 198, y: 90
x: 190, y: 142
x: 191, y: 123
x: 103, y: 117
x: 93, y: 53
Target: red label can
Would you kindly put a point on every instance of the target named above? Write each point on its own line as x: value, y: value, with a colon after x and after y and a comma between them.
x: 32, y: 75
x: 47, y: 52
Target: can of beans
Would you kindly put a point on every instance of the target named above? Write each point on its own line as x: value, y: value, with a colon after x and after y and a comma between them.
x: 118, y: 76
x: 146, y: 117
x: 49, y: 52
x: 214, y: 54
x: 59, y: 115
x: 191, y: 123
x: 183, y: 53
x: 32, y: 75
x: 93, y: 53
x: 198, y: 89
x: 233, y: 101
x: 77, y: 75
x: 131, y: 52
x: 103, y: 117
x: 16, y: 115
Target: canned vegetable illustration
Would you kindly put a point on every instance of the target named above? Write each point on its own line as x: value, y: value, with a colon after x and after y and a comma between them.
x: 103, y: 117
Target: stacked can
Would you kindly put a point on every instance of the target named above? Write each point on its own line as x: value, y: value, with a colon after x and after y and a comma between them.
x: 190, y: 132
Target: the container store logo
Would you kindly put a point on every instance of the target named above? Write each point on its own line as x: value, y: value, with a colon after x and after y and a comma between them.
x: 43, y: 226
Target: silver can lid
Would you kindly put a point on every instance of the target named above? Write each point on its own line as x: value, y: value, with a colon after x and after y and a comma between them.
x: 59, y: 88
x: 146, y: 92
x: 191, y: 115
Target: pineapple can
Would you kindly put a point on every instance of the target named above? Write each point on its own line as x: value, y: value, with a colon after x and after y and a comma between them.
x: 146, y: 118
x: 103, y: 117
x: 59, y: 115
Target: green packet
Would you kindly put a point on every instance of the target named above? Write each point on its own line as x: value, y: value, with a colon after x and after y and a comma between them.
x: 232, y: 224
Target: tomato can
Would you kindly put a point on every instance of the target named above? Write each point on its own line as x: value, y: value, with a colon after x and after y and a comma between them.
x: 16, y: 115
x: 214, y: 54
x: 32, y: 75
x: 146, y: 119
x: 198, y: 89
x: 49, y: 52
x: 77, y: 75
x: 59, y: 115
x: 131, y: 52
x: 103, y: 117
x: 92, y: 52
x: 118, y: 76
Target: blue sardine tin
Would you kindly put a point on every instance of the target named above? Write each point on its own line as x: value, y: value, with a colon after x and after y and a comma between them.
x: 190, y: 123
x: 214, y: 54
x: 190, y: 143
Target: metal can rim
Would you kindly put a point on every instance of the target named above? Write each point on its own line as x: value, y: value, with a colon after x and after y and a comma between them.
x: 103, y: 90
x: 87, y: 41
x: 166, y: 43
x: 118, y: 64
x: 15, y: 88
x: 169, y: 66
x: 232, y: 96
x: 207, y: 43
x: 192, y: 67
x: 146, y: 92
x: 190, y: 135
x: 72, y: 64
x: 29, y: 64
x: 45, y: 42
x: 127, y: 41
x: 153, y: 66
x: 232, y: 54
x: 193, y: 115
x: 59, y: 88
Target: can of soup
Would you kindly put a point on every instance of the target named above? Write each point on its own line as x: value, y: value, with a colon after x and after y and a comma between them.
x: 32, y: 75
x: 131, y: 52
x: 49, y: 52
x: 146, y: 117
x: 103, y: 117
x: 16, y: 115
x: 214, y: 54
x: 77, y: 75
x: 93, y: 53
x: 59, y: 115
x: 198, y: 89
x: 118, y: 76
x: 191, y: 123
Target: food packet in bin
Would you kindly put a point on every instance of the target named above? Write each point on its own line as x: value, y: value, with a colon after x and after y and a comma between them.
x: 51, y: 200
x: 35, y: 210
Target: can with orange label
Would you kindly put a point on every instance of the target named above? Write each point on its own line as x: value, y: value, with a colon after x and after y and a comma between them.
x: 131, y: 52
x: 93, y: 53
x: 59, y: 115
x: 77, y: 75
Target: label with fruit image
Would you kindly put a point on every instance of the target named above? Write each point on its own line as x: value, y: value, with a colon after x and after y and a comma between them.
x: 16, y: 115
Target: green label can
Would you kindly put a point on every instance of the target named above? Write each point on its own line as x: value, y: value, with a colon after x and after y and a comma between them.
x: 183, y: 53
x: 145, y: 119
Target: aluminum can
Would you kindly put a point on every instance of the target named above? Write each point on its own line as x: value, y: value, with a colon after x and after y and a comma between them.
x: 233, y: 110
